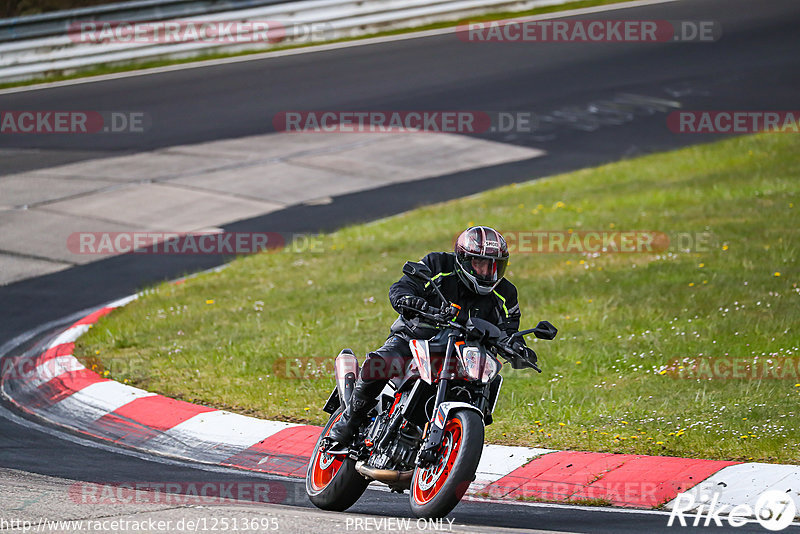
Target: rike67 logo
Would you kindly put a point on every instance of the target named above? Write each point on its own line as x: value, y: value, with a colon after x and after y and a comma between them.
x: 774, y: 510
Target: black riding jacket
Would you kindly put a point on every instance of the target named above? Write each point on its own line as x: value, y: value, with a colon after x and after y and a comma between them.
x: 499, y: 307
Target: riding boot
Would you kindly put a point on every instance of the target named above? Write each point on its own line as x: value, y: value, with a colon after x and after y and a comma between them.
x: 361, y: 402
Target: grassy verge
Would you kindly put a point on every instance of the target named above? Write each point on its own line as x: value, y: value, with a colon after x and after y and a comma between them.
x: 112, y: 69
x: 233, y: 339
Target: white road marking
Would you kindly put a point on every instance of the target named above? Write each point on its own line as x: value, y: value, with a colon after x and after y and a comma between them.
x: 69, y: 335
x: 84, y: 407
x: 52, y: 368
x: 499, y: 460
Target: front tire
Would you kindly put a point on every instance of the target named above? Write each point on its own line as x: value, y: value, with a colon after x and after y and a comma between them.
x: 438, y: 488
x: 332, y: 482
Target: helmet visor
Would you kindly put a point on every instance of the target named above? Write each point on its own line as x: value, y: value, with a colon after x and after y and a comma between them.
x: 487, y: 271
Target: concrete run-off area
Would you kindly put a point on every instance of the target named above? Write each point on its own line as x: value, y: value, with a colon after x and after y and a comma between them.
x: 197, y: 187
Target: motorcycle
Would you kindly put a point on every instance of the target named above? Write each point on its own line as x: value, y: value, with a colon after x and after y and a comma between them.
x: 426, y: 433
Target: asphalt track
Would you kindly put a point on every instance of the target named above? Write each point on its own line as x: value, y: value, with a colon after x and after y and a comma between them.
x: 755, y: 66
x: 68, y: 456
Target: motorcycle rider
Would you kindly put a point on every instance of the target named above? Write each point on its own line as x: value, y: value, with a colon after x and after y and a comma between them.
x: 472, y: 278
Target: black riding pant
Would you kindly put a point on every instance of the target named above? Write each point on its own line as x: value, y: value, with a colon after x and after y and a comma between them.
x: 389, y: 361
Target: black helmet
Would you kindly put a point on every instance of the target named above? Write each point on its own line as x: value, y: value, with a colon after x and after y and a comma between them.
x: 481, y: 258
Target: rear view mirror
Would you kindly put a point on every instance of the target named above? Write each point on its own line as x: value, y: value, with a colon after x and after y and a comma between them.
x: 417, y: 269
x: 545, y: 330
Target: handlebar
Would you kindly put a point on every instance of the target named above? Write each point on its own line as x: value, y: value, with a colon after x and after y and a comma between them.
x: 444, y: 320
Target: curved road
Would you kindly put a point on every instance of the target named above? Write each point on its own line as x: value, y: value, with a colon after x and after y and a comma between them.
x: 755, y: 66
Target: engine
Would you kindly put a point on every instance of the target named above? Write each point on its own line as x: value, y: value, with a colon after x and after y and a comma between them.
x: 401, y: 450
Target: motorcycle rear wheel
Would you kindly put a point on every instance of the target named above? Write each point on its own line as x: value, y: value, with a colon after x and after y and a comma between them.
x: 332, y: 482
x: 438, y: 488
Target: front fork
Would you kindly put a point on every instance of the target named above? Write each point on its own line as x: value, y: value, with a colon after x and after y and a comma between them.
x: 433, y: 439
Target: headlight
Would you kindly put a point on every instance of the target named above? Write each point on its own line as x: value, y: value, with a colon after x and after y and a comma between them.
x: 479, y: 365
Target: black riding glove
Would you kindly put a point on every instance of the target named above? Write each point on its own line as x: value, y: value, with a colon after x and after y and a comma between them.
x: 449, y: 311
x: 521, y: 356
x: 411, y: 301
x: 528, y: 357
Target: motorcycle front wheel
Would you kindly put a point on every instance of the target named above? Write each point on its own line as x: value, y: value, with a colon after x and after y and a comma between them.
x: 332, y: 482
x: 438, y: 488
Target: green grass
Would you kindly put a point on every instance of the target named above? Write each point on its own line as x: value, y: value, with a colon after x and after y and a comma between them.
x: 225, y: 339
x: 100, y: 70
x: 21, y: 8
x: 577, y: 502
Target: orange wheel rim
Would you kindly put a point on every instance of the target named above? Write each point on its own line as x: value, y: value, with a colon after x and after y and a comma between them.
x: 429, y: 481
x: 325, y: 466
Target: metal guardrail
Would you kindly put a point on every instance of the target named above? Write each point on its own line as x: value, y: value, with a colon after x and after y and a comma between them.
x: 57, y: 22
x: 298, y: 22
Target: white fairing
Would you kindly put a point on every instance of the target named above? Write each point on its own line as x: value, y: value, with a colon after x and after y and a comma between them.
x: 422, y: 358
x: 444, y: 411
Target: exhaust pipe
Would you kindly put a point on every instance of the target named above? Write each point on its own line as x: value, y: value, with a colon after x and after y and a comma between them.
x: 388, y: 476
x: 345, y: 371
